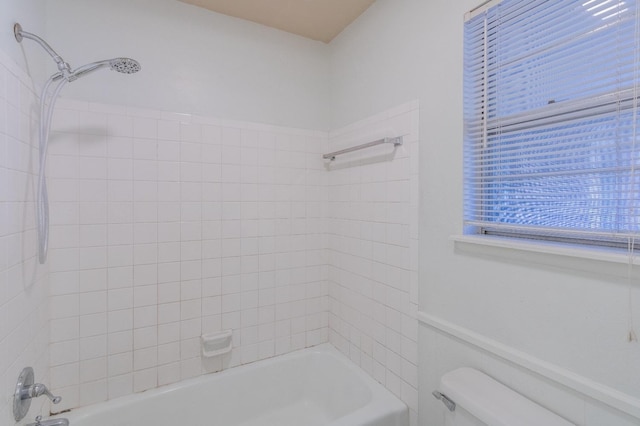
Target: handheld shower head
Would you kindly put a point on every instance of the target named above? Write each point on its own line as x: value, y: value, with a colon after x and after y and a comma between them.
x: 125, y: 65
x: 121, y: 65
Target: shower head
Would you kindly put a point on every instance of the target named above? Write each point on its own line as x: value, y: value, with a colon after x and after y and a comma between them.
x: 121, y: 65
x: 125, y: 65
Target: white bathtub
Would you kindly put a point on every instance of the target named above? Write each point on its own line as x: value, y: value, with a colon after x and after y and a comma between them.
x: 312, y: 387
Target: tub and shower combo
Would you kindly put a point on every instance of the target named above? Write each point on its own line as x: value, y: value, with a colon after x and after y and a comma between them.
x: 312, y: 387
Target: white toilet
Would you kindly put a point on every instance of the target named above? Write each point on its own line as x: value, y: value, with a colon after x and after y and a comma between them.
x: 471, y: 398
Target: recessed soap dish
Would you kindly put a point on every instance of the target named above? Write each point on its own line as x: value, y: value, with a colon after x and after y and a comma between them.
x: 216, y: 343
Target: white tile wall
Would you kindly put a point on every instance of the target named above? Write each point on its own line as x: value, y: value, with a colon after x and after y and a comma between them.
x: 168, y: 226
x: 23, y: 283
x: 373, y: 250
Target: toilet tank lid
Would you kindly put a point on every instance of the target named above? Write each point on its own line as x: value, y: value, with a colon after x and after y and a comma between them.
x: 492, y: 402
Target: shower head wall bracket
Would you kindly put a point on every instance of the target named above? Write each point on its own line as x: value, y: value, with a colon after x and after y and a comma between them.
x: 17, y: 32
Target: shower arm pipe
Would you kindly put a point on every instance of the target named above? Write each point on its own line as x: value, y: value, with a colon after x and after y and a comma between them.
x: 20, y: 34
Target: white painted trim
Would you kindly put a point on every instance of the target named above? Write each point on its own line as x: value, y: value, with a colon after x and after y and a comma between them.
x: 602, y: 393
x: 603, y: 254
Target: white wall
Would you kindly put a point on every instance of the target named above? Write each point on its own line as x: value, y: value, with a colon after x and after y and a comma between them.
x: 377, y: 61
x: 193, y: 61
x: 30, y: 14
x: 570, y: 313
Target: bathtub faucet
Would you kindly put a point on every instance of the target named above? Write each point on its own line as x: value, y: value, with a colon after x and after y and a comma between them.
x: 50, y: 422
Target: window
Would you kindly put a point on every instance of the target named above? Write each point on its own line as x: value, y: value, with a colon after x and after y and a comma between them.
x: 552, y: 126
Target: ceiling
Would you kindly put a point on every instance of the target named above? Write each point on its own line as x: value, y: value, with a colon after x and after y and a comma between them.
x: 320, y: 20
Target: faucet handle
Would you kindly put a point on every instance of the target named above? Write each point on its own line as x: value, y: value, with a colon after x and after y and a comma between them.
x: 39, y: 389
x: 55, y: 399
x: 37, y: 423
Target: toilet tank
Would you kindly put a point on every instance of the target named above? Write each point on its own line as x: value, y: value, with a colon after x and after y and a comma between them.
x: 481, y: 400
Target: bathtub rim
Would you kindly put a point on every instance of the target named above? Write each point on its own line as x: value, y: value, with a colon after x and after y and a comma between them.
x: 382, y: 404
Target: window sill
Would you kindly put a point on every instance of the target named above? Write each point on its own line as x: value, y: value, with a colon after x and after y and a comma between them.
x: 603, y: 254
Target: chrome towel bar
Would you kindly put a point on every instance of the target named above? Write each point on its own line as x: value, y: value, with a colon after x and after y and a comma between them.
x: 395, y: 141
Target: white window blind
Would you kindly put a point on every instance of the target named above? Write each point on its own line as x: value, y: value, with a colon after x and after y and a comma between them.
x: 551, y: 120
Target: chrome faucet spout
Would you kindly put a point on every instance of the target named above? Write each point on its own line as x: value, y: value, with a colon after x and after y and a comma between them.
x: 49, y: 422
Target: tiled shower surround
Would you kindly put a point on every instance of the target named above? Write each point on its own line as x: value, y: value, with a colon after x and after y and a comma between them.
x: 373, y: 250
x: 168, y: 226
